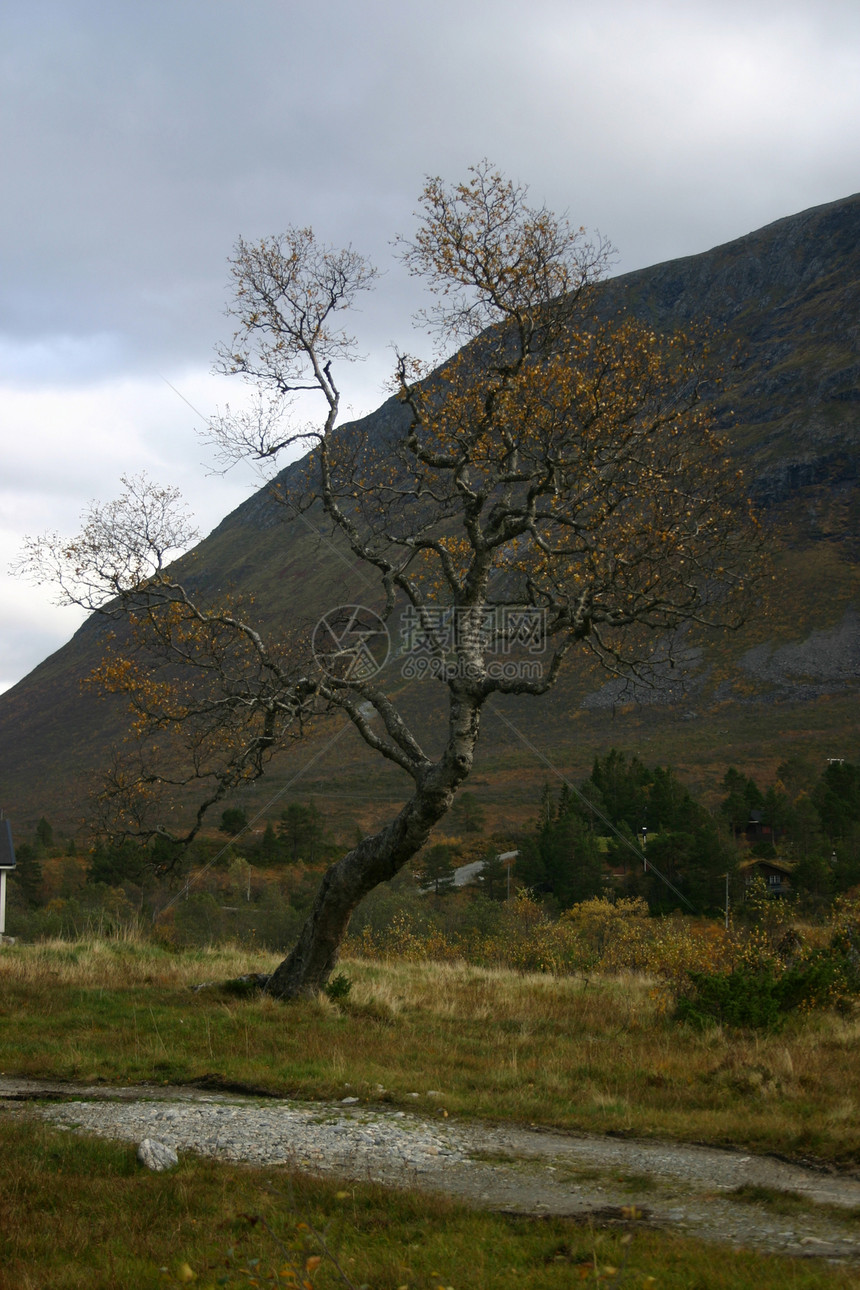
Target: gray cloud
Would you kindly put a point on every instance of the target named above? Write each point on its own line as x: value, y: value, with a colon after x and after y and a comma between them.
x: 147, y: 137
x: 141, y: 140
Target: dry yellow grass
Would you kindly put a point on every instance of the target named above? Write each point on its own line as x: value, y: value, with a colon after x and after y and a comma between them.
x: 601, y: 1054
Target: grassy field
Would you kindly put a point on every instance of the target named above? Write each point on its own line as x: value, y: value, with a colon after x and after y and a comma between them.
x: 601, y: 1054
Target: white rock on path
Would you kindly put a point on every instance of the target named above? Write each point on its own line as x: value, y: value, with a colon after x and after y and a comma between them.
x: 157, y: 1155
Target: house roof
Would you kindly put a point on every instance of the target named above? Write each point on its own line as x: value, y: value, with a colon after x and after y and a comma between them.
x: 7, y: 850
x: 760, y: 862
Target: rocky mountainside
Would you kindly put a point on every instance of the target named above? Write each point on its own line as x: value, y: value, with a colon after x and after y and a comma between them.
x: 785, y: 301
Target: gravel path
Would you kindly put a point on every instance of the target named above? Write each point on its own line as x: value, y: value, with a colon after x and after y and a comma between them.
x: 514, y: 1169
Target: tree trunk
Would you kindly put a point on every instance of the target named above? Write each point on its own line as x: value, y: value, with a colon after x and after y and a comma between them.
x: 376, y: 859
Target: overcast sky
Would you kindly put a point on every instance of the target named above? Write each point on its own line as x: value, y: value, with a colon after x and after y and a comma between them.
x: 140, y: 140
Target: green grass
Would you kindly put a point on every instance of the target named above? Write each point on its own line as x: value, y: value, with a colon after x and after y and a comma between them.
x: 602, y: 1056
x: 791, y: 1203
x: 80, y: 1214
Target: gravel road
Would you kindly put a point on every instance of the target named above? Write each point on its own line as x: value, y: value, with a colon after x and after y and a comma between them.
x: 514, y: 1169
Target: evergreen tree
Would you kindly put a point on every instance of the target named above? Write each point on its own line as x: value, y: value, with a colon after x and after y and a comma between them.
x: 567, y: 803
x: 531, y: 869
x: 776, y: 811
x: 27, y: 874
x: 269, y: 847
x: 805, y: 838
x: 627, y: 855
x: 813, y: 876
x: 437, y: 868
x: 670, y: 805
x: 695, y: 862
x: 233, y: 821
x: 572, y: 863
x: 837, y: 798
x: 301, y: 829
x: 593, y: 796
x: 711, y: 857
x: 44, y: 834
x: 560, y: 858
x: 115, y: 864
x: 493, y: 878
x: 623, y: 787
x: 846, y: 865
x: 742, y: 797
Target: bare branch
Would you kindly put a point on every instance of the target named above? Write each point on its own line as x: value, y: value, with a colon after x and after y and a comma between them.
x: 122, y: 548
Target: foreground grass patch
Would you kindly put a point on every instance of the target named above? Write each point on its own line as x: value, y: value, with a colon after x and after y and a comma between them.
x: 80, y: 1214
x: 599, y: 1055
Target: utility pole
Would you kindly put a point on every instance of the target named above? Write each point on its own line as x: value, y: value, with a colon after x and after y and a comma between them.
x: 507, y: 858
x: 726, y: 876
x: 7, y: 864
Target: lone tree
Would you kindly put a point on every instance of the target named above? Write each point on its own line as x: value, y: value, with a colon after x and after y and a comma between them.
x: 556, y: 480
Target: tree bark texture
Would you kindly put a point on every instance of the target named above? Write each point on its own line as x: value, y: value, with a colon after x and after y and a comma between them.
x: 376, y: 859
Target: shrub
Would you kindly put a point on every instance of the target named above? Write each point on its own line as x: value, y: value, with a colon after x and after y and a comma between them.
x: 746, y: 997
x: 823, y: 978
x: 338, y: 986
x: 763, y: 988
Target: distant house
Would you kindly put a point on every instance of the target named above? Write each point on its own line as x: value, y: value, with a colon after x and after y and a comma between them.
x: 776, y: 874
x: 755, y: 831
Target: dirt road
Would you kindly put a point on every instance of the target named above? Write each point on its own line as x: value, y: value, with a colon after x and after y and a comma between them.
x: 724, y: 1196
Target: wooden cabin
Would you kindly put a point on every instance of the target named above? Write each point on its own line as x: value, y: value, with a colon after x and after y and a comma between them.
x: 776, y: 874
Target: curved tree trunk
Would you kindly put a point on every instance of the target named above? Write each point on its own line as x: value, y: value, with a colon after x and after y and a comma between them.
x: 376, y: 859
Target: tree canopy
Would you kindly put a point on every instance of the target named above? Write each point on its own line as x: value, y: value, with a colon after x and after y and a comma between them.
x: 557, y: 484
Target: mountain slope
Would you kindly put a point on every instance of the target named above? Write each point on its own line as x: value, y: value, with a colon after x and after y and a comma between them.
x: 787, y: 298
